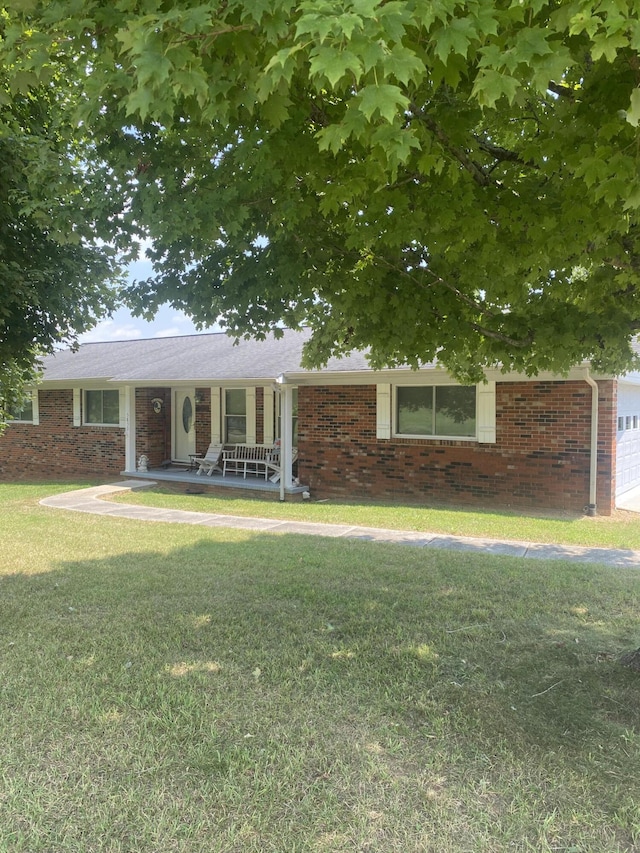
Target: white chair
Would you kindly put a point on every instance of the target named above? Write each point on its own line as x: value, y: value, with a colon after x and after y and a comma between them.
x: 209, y: 463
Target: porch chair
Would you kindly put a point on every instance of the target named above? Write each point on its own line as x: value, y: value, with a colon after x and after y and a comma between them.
x: 209, y: 463
x: 275, y: 465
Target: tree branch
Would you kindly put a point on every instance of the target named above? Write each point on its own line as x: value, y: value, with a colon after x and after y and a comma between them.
x: 462, y: 156
x: 472, y: 303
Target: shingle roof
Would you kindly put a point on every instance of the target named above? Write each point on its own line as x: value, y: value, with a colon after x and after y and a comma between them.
x: 206, y: 358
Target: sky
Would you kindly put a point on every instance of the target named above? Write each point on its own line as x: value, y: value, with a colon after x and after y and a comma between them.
x: 123, y: 326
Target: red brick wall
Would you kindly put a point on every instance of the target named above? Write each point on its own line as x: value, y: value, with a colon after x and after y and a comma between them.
x: 153, y: 429
x: 55, y: 449
x: 203, y: 420
x: 540, y: 458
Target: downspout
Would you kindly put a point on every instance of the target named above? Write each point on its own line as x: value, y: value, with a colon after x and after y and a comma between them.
x: 593, y: 459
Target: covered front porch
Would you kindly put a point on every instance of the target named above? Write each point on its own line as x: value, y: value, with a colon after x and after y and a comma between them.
x: 170, y: 426
x: 187, y: 478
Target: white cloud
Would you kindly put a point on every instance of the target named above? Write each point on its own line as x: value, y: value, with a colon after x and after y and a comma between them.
x: 122, y: 326
x: 109, y: 330
x: 171, y: 332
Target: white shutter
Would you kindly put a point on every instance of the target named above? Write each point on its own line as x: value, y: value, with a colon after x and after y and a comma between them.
x: 216, y: 436
x: 268, y: 430
x: 77, y: 411
x: 122, y: 407
x: 486, y: 412
x: 383, y: 411
x: 35, y: 407
x: 251, y: 415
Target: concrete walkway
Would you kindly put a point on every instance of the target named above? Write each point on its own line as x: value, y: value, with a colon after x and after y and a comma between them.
x: 90, y: 500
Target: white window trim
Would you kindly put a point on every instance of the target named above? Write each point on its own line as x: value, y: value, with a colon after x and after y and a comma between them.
x: 250, y: 412
x: 268, y: 415
x: 216, y: 415
x: 386, y: 400
x: 251, y: 415
x: 35, y: 409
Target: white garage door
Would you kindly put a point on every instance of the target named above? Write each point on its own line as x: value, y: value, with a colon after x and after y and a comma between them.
x: 628, y: 439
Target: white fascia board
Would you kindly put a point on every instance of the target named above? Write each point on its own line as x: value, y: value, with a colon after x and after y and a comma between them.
x: 229, y: 382
x: 63, y: 384
x: 435, y: 375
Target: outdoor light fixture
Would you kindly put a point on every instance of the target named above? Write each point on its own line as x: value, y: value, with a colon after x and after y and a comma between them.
x: 157, y: 404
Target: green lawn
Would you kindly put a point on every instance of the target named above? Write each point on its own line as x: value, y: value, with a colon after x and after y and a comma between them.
x: 175, y: 688
x: 620, y: 531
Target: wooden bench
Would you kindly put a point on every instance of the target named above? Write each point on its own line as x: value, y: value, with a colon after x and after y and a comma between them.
x: 250, y: 459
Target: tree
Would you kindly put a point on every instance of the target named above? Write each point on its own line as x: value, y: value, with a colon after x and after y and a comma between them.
x: 418, y: 177
x: 56, y: 282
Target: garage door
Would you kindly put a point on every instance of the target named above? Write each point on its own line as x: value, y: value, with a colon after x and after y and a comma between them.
x: 628, y: 439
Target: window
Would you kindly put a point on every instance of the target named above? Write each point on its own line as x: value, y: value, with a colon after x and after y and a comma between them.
x: 440, y: 410
x: 23, y: 412
x: 102, y: 407
x: 235, y: 416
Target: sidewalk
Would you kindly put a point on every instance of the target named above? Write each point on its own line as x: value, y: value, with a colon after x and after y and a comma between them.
x: 89, y: 500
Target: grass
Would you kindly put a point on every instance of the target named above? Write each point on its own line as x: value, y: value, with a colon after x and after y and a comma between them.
x: 171, y: 688
x: 622, y: 530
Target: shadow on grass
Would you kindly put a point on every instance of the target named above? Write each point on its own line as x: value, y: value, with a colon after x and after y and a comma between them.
x: 301, y: 655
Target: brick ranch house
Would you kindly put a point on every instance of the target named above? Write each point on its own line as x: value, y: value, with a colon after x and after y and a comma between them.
x: 569, y: 443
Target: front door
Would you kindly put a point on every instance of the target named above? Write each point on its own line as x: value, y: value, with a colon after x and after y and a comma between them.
x: 184, y: 423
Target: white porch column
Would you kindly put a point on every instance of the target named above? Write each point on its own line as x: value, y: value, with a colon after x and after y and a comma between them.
x: 286, y: 437
x: 130, y: 429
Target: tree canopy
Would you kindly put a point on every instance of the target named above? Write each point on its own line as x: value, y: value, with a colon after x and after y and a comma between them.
x: 55, y: 280
x: 423, y: 178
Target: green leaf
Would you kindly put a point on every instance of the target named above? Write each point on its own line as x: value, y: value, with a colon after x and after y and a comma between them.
x: 455, y: 37
x: 633, y: 113
x: 490, y: 86
x: 276, y: 108
x: 139, y: 103
x: 632, y: 201
x: 332, y: 65
x: 608, y: 46
x: 332, y: 138
x: 403, y: 64
x: 386, y: 100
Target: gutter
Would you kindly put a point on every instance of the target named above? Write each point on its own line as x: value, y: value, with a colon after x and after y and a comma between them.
x: 593, y: 457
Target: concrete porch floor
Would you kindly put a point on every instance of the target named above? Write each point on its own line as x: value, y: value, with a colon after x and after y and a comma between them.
x: 181, y: 475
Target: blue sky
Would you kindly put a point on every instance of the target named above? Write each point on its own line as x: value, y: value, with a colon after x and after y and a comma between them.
x: 123, y: 326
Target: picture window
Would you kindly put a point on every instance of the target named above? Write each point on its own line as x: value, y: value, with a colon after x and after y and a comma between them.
x: 102, y: 407
x: 440, y: 410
